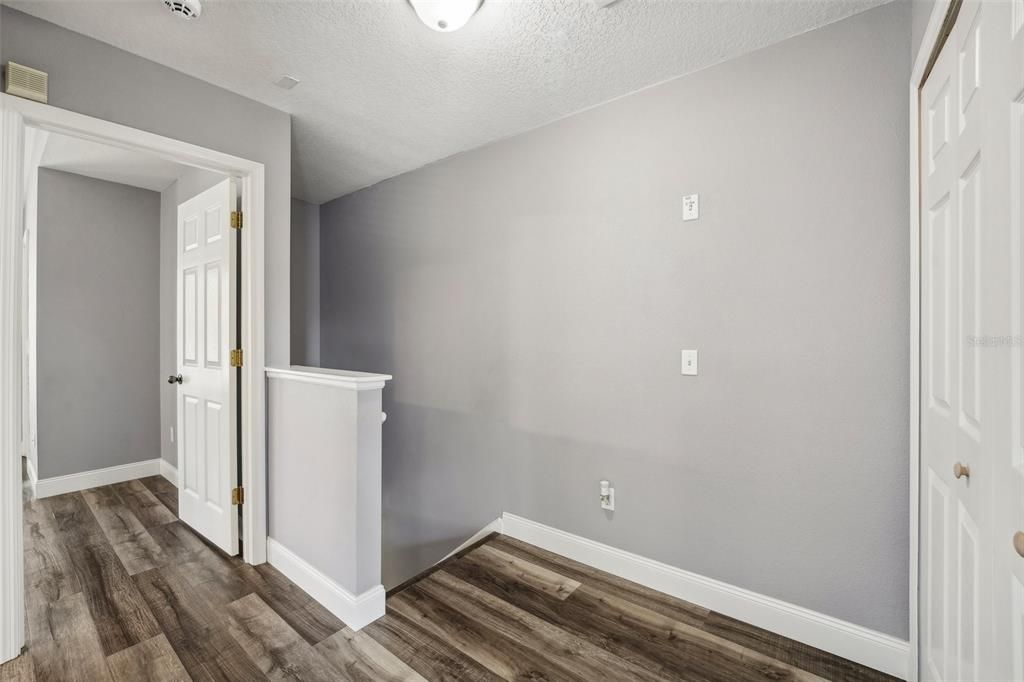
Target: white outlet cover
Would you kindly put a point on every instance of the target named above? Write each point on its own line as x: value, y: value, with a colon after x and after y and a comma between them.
x: 691, y: 207
x: 689, y: 363
x: 610, y: 504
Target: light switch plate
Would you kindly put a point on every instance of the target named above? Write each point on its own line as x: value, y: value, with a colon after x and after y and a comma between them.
x: 691, y: 207
x: 689, y: 366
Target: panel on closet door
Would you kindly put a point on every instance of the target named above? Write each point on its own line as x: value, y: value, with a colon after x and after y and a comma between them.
x: 938, y: 264
x: 937, y: 122
x: 967, y: 597
x: 936, y: 634
x: 969, y: 318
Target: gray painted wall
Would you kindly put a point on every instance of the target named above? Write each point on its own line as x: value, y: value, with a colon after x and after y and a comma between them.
x: 920, y: 13
x: 191, y: 182
x: 305, y: 279
x: 99, y: 326
x: 531, y: 299
x: 99, y: 80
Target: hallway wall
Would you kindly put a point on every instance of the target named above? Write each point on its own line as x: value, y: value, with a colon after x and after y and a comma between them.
x: 531, y: 299
x: 98, y: 324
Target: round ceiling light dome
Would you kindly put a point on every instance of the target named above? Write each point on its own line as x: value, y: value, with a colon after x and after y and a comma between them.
x: 186, y: 9
x: 445, y: 15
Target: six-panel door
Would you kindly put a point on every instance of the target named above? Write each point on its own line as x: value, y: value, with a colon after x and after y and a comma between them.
x: 207, y: 433
x: 954, y: 423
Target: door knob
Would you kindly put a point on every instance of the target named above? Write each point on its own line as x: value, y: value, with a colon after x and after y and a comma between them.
x: 961, y: 470
x: 1018, y: 542
x: 174, y: 379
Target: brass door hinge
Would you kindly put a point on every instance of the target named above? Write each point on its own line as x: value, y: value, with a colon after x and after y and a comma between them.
x: 236, y: 357
x: 238, y: 495
x: 236, y: 220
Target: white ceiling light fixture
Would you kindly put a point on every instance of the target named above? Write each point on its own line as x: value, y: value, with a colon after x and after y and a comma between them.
x: 445, y: 15
x: 186, y: 9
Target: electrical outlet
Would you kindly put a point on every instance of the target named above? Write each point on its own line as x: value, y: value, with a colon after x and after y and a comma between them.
x: 607, y: 496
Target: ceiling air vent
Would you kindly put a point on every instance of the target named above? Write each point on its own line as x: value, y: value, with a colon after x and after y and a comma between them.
x: 186, y: 9
x: 25, y: 82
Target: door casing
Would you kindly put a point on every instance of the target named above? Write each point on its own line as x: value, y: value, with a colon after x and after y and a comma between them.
x: 17, y: 116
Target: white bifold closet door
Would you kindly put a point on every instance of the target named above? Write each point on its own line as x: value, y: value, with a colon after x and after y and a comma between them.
x: 1007, y: 81
x: 970, y: 231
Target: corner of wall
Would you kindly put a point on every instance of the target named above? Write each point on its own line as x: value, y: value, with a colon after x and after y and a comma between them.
x: 305, y: 283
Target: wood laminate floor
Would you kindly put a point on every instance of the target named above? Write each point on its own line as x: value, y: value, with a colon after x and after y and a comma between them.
x: 119, y: 589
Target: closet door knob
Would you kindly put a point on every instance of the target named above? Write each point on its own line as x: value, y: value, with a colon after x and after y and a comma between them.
x: 961, y: 470
x: 174, y: 379
x: 1018, y: 542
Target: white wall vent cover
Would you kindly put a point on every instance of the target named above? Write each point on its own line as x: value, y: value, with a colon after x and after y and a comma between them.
x: 25, y: 82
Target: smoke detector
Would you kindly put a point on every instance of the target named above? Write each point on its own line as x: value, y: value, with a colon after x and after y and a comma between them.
x: 186, y: 9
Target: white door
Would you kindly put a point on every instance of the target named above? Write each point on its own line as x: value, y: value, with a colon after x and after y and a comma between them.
x: 1008, y: 463
x: 965, y: 346
x: 207, y: 434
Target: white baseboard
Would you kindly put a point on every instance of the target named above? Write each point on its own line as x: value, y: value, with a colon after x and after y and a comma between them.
x: 169, y: 471
x: 58, y: 485
x: 492, y: 527
x: 862, y: 645
x: 355, y: 611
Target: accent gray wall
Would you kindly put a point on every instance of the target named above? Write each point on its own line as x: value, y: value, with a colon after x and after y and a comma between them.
x: 99, y: 80
x: 531, y: 299
x: 191, y: 182
x: 98, y: 324
x: 305, y: 280
x: 920, y: 13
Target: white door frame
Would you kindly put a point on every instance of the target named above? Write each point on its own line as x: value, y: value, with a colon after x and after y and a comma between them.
x: 931, y: 37
x: 15, y: 116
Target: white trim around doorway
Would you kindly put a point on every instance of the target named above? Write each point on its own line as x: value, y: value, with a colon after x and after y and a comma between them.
x: 16, y: 116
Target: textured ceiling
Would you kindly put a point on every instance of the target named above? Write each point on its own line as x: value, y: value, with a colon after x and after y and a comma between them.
x: 382, y: 94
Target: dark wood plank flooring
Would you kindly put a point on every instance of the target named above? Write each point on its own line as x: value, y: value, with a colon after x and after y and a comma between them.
x: 119, y: 589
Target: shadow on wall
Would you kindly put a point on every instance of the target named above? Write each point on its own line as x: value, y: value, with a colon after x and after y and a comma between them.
x: 423, y: 499
x: 441, y: 473
x: 432, y: 498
